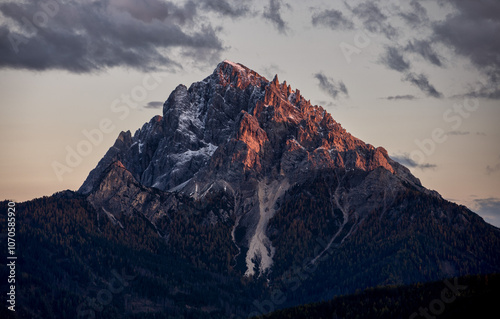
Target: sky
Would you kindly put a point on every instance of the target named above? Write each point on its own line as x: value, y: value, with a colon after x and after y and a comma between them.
x: 420, y: 78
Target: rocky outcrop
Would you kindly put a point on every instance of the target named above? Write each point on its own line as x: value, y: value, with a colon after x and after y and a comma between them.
x: 118, y: 193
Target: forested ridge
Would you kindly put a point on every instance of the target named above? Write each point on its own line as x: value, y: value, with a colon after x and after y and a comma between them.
x: 68, y: 253
x: 184, y: 266
x: 475, y: 297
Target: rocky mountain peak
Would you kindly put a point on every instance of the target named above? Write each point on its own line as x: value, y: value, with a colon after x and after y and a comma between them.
x: 229, y: 73
x: 238, y: 133
x: 235, y: 120
x: 177, y: 99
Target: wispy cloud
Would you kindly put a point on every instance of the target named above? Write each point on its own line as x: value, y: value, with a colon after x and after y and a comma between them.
x: 393, y: 59
x: 490, y: 90
x: 458, y: 133
x: 492, y: 169
x: 332, y: 19
x: 424, y: 49
x: 271, y: 70
x: 330, y: 86
x: 374, y: 20
x: 416, y: 16
x: 469, y: 30
x: 154, y: 105
x: 400, y: 97
x: 272, y: 13
x: 231, y: 9
x: 406, y: 160
x: 422, y: 82
x: 326, y: 103
x: 489, y: 209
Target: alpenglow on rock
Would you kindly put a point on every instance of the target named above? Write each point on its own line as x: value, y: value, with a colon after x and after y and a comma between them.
x: 267, y: 128
x: 255, y: 140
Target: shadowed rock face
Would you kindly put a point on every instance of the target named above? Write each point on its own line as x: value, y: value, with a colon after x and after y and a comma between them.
x: 118, y: 193
x: 237, y: 132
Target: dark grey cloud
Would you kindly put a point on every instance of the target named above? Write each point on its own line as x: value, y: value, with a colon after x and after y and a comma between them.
x: 330, y: 86
x: 226, y: 8
x: 332, y: 19
x: 489, y: 90
x: 92, y: 36
x: 374, y: 20
x: 326, y: 103
x: 406, y: 160
x: 421, y: 81
x: 369, y: 11
x: 393, y: 59
x: 416, y: 16
x: 400, y: 97
x: 473, y: 32
x: 154, y: 105
x: 424, y: 49
x: 272, y: 13
x: 489, y: 209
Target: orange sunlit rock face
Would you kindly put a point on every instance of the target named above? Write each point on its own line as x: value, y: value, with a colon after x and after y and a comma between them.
x: 291, y: 130
x: 232, y: 74
x: 254, y: 137
x: 251, y: 133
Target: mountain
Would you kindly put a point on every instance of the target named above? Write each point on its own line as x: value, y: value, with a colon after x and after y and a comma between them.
x: 253, y: 139
x: 244, y: 188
